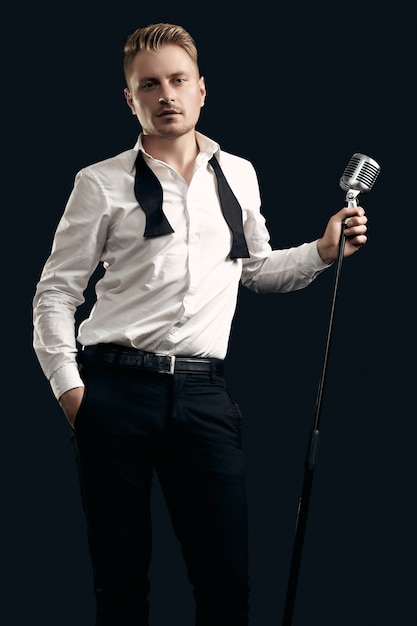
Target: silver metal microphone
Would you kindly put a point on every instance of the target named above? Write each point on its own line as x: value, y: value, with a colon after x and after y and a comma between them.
x: 359, y: 176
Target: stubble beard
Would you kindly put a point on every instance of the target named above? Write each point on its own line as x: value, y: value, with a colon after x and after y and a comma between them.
x: 170, y: 130
x: 174, y: 132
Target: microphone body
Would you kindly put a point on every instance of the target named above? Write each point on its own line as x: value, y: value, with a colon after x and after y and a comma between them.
x: 358, y: 177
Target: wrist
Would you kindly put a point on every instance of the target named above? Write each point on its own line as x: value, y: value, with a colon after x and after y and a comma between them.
x: 324, y: 252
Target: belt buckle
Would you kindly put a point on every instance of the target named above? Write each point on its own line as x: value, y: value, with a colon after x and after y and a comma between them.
x: 171, y: 369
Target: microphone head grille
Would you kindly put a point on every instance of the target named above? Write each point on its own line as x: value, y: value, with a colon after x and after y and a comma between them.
x: 360, y: 173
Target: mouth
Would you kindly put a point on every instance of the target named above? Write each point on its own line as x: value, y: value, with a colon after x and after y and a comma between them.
x: 168, y: 112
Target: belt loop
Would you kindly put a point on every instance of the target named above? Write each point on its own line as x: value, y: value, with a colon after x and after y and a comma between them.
x: 118, y: 354
x: 113, y: 356
x: 213, y: 371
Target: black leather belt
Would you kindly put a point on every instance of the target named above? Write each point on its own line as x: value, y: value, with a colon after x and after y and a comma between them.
x: 113, y: 354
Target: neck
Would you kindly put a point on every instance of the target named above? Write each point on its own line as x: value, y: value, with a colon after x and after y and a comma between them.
x: 179, y: 152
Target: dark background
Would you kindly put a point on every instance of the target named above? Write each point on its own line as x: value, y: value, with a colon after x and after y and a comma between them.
x: 296, y: 89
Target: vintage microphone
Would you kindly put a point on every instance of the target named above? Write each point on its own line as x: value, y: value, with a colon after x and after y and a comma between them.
x: 358, y: 177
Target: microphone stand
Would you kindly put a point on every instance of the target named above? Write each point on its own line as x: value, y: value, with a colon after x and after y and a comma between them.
x: 311, y: 457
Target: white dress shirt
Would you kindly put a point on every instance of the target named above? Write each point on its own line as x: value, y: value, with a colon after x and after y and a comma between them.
x: 174, y: 294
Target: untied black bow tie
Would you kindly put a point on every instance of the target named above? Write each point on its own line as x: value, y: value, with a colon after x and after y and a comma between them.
x: 149, y: 194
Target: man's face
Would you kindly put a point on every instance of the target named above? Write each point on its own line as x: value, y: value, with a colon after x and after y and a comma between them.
x: 171, y: 75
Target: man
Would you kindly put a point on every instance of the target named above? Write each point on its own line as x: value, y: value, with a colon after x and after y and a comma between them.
x: 145, y: 391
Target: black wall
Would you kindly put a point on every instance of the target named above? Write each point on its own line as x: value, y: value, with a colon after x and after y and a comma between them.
x: 297, y: 90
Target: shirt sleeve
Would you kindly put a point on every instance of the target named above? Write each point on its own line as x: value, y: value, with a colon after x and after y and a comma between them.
x: 284, y: 270
x: 76, y: 250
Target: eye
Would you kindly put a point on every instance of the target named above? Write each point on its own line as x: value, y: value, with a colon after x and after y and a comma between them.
x: 148, y: 84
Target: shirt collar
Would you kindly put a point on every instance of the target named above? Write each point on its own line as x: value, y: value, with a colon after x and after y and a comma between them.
x: 207, y: 147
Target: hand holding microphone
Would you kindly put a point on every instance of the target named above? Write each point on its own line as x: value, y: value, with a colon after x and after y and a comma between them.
x: 358, y: 177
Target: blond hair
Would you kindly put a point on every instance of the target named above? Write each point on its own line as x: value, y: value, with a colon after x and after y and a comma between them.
x: 152, y: 37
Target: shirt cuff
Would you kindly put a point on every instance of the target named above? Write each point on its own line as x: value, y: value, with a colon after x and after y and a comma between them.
x: 64, y: 379
x: 313, y: 258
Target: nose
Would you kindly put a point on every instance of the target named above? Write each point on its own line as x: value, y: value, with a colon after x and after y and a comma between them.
x: 165, y: 100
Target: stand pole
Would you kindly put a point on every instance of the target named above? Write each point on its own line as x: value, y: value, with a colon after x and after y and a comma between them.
x: 311, y: 457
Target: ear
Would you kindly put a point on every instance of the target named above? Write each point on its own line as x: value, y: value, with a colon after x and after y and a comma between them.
x: 203, y: 90
x: 129, y: 100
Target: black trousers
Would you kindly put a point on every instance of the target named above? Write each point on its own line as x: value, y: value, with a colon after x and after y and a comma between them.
x: 187, y: 429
